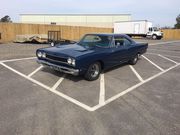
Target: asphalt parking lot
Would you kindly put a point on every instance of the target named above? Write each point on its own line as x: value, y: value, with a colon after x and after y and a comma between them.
x: 140, y: 99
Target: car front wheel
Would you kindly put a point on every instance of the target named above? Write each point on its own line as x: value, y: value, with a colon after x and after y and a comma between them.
x: 93, y: 71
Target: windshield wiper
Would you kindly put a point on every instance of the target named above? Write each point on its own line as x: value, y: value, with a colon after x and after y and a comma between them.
x: 80, y: 43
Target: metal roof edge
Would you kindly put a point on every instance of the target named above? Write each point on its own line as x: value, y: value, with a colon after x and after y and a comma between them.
x: 133, y: 21
x: 79, y: 14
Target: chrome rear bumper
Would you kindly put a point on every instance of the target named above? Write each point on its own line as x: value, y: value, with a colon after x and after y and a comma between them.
x: 59, y: 68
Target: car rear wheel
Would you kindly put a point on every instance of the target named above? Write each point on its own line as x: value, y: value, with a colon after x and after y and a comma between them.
x: 52, y: 44
x: 134, y: 60
x: 93, y: 72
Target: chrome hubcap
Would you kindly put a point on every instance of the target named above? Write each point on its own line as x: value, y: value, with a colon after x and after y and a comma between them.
x: 94, y: 70
x: 135, y: 59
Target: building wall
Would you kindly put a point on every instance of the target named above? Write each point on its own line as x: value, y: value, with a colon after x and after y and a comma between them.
x: 90, y: 20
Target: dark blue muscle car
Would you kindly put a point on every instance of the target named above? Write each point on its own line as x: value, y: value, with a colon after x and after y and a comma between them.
x: 92, y: 54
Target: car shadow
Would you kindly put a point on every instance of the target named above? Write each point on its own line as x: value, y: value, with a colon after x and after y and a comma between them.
x: 75, y: 78
x: 54, y: 72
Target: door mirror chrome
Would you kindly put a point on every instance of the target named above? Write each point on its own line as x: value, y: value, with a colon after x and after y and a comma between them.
x: 118, y: 44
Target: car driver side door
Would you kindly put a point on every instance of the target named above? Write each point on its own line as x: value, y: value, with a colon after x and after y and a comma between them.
x: 118, y: 51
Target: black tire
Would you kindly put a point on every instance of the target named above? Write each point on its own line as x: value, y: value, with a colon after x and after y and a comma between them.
x: 93, y: 72
x: 134, y: 60
x: 154, y: 37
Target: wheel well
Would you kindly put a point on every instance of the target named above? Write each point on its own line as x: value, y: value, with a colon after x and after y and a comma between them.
x: 139, y: 53
x: 102, y: 64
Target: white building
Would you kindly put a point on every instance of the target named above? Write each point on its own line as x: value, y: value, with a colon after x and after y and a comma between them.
x: 91, y: 20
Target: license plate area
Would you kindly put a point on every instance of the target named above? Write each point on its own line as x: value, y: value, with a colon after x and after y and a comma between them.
x: 56, y: 68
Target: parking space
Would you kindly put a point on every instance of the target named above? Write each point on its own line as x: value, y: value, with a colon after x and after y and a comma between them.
x: 25, y: 66
x: 47, y: 76
x: 121, y: 77
x: 144, y: 67
x: 81, y: 90
x: 124, y: 84
x: 93, y: 95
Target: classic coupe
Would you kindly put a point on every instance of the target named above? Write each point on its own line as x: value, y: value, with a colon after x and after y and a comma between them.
x: 92, y: 54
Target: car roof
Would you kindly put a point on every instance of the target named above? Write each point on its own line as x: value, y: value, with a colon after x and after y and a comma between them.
x: 106, y: 34
x: 112, y: 34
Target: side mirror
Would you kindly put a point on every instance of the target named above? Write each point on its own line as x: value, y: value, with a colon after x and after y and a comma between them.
x: 118, y: 44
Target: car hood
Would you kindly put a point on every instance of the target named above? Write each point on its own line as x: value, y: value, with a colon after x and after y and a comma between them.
x: 72, y: 50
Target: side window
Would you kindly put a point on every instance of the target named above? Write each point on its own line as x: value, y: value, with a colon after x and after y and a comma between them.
x: 91, y: 39
x: 118, y: 41
x: 121, y: 41
x: 127, y: 42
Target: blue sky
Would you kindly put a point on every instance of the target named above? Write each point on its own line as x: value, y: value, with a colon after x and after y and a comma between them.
x: 160, y: 12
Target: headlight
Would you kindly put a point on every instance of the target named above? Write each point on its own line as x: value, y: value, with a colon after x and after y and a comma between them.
x: 39, y: 54
x: 71, y: 61
x: 44, y: 55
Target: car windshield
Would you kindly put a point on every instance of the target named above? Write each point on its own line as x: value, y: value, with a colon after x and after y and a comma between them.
x: 155, y: 29
x: 96, y: 40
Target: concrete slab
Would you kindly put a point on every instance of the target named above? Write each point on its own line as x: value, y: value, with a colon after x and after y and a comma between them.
x: 170, y: 47
x: 84, y: 91
x: 47, y: 76
x: 158, y: 102
x: 24, y: 66
x: 145, y: 68
x: 163, y: 63
x: 153, y: 108
x: 119, y: 79
x: 164, y: 52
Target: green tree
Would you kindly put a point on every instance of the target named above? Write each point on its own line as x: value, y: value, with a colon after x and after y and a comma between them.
x: 177, y: 25
x: 5, y: 19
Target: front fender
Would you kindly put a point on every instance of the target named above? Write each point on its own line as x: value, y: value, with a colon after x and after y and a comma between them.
x: 85, y: 61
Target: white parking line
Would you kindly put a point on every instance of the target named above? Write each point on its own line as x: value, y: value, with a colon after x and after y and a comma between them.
x: 164, y: 50
x: 164, y: 55
x: 132, y: 88
x: 81, y: 104
x: 35, y: 71
x: 102, y: 101
x: 11, y: 60
x: 136, y: 73
x: 167, y: 58
x: 102, y: 90
x: 153, y: 63
x: 58, y: 82
x: 168, y: 42
x: 50, y: 89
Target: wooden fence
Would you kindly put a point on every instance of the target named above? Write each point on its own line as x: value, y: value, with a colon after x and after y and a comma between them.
x: 173, y: 34
x: 10, y: 30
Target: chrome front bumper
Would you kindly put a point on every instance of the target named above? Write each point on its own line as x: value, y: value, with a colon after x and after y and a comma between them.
x: 59, y: 68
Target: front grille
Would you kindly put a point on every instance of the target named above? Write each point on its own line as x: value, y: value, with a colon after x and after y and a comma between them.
x: 55, y: 58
